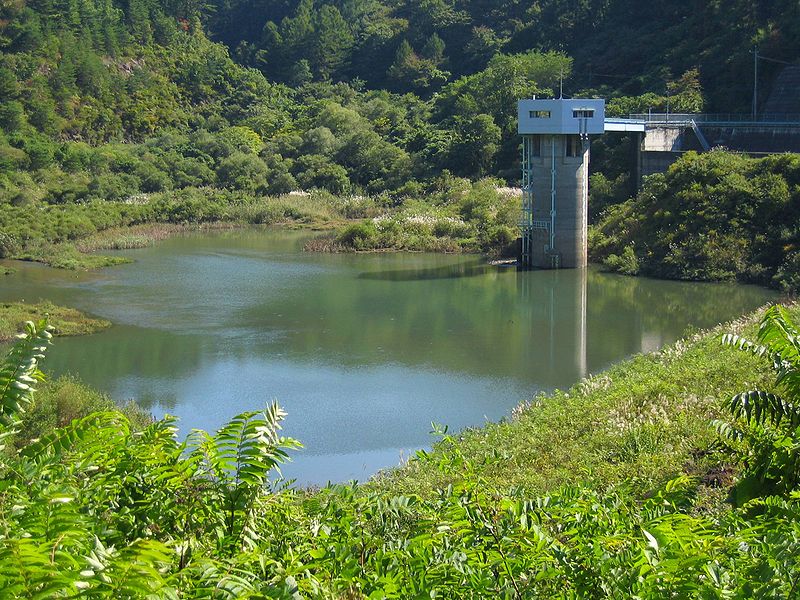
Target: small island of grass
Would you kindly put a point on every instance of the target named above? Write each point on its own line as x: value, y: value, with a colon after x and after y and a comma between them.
x: 66, y: 321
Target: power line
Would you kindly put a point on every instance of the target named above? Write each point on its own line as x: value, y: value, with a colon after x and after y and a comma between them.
x: 756, y: 57
x: 775, y: 60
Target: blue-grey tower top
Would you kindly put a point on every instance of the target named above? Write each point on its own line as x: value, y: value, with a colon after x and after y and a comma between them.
x: 561, y: 116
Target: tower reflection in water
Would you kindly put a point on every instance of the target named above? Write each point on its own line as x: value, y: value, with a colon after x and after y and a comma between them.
x: 555, y: 302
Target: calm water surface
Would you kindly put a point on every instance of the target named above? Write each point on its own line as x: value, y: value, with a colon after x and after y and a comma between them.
x: 363, y: 351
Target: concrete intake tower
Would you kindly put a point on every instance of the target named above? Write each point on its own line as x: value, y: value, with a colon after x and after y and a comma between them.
x: 555, y: 179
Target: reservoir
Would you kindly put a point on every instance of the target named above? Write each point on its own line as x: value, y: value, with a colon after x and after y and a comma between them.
x: 363, y: 351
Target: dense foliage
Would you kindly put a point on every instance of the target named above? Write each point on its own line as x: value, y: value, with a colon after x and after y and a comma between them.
x: 100, y: 508
x: 133, y: 104
x: 711, y: 216
x: 115, y: 101
x: 769, y: 443
x: 122, y: 116
x: 622, y: 46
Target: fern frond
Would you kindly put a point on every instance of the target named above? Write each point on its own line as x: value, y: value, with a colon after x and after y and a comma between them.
x: 760, y: 407
x: 727, y: 431
x: 135, y: 571
x: 218, y: 580
x: 246, y: 449
x: 19, y: 372
x: 28, y: 570
x: 161, y: 433
x: 742, y: 343
x: 90, y: 436
x: 778, y: 332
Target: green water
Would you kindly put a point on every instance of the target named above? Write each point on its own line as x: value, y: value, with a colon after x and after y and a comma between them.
x: 363, y: 351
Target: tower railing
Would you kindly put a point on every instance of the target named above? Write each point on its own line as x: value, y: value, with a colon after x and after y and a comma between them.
x: 527, y: 224
x: 530, y: 145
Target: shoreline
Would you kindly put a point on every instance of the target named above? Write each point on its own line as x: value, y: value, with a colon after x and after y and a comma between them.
x: 86, y: 254
x: 643, y: 420
x: 66, y: 321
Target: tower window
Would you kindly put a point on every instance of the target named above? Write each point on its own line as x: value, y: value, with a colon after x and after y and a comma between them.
x: 573, y: 146
x: 539, y: 114
x: 583, y: 113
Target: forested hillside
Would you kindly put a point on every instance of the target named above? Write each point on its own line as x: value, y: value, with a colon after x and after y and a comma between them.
x: 135, y: 103
x: 95, y: 72
x: 620, y: 46
x: 108, y: 102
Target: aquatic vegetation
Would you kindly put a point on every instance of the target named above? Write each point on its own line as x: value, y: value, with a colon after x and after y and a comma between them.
x: 64, y: 321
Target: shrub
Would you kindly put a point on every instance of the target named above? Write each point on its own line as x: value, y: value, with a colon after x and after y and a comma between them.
x: 11, y: 159
x: 626, y: 263
x: 359, y: 236
x: 316, y: 171
x: 712, y: 216
x: 65, y: 399
x: 242, y: 171
x: 242, y: 139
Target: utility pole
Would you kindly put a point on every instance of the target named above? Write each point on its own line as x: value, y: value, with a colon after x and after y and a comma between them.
x: 754, y: 52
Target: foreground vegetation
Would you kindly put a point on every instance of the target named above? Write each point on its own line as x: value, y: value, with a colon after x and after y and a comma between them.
x: 108, y: 507
x: 712, y: 216
x: 65, y: 321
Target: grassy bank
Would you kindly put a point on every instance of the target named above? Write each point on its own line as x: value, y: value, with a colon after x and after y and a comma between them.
x: 68, y: 235
x: 462, y: 216
x: 65, y: 321
x: 476, y: 217
x: 62, y: 400
x: 645, y: 420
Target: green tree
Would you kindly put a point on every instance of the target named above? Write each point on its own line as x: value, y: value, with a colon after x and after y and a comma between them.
x: 433, y: 50
x: 404, y: 59
x: 474, y: 145
x: 12, y: 115
x: 332, y: 41
x: 320, y: 140
x: 314, y: 171
x: 9, y: 87
x: 242, y: 139
x: 686, y: 94
x: 300, y: 73
x: 409, y: 69
x: 496, y: 89
x: 243, y: 172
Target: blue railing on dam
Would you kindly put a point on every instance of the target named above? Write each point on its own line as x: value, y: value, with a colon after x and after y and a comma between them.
x: 740, y: 119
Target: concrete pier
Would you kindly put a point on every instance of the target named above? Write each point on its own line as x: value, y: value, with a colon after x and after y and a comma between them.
x: 560, y: 182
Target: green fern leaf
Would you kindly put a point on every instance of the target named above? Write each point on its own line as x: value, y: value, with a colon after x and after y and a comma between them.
x: 19, y: 372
